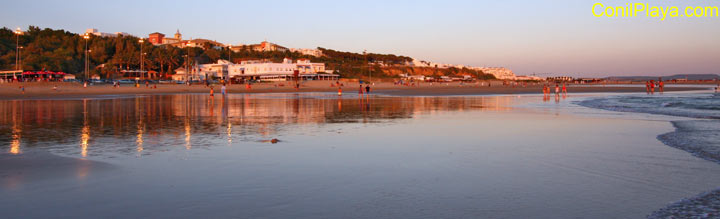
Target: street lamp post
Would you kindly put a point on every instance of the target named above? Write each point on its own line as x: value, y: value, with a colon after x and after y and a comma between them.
x: 18, y: 32
x: 187, y: 72
x: 142, y: 61
x: 188, y: 60
x: 368, y: 66
x: 20, y: 57
x: 86, y: 37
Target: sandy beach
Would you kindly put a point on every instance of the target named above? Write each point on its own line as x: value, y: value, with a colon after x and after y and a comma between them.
x: 34, y: 90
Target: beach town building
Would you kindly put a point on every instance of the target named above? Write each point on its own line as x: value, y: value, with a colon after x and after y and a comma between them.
x: 560, y: 78
x: 528, y: 78
x: 304, y: 66
x: 216, y: 70
x: 265, y: 70
x: 309, y: 52
x: 181, y: 74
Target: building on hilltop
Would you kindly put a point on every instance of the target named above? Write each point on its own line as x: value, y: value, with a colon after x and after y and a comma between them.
x: 156, y: 38
x: 176, y: 39
x: 499, y: 72
x: 202, y: 43
x: 309, y: 52
x: 93, y: 31
x: 266, y: 46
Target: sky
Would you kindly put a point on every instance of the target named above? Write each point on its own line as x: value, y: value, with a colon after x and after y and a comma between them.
x: 545, y: 38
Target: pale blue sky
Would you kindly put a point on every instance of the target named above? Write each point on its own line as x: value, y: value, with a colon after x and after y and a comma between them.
x: 559, y: 37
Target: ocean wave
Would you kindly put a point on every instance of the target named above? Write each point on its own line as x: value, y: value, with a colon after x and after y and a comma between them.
x: 704, y: 106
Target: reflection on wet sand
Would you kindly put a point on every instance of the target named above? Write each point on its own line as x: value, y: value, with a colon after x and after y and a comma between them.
x: 108, y: 125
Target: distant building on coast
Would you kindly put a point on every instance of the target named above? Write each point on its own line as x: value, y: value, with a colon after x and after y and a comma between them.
x: 309, y: 52
x: 499, y: 72
x: 528, y: 78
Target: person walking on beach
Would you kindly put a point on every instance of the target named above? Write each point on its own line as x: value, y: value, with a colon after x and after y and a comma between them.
x: 564, y: 88
x: 212, y: 92
x: 222, y: 89
x: 339, y: 91
x: 367, y: 89
x: 661, y: 85
x: 361, y: 90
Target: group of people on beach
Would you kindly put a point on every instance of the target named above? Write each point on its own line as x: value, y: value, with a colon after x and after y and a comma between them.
x: 651, y: 84
x: 547, y: 90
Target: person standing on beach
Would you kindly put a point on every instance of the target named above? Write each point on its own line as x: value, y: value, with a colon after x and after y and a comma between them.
x: 222, y: 89
x: 557, y: 89
x: 212, y: 92
x: 367, y: 89
x: 652, y: 87
x: 361, y: 90
x: 661, y: 85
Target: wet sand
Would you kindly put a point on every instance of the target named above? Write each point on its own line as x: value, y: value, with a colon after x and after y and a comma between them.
x: 448, y: 157
x: 39, y: 90
x: 33, y: 169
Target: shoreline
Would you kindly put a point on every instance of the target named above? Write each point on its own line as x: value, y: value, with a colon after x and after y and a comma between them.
x: 44, y: 90
x: 689, y: 136
x: 704, y: 205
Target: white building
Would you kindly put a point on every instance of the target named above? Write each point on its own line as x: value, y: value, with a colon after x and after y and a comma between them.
x: 304, y: 66
x: 528, y: 78
x: 95, y: 32
x: 269, y: 71
x: 499, y: 72
x: 309, y: 52
x: 259, y: 69
x: 216, y: 70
